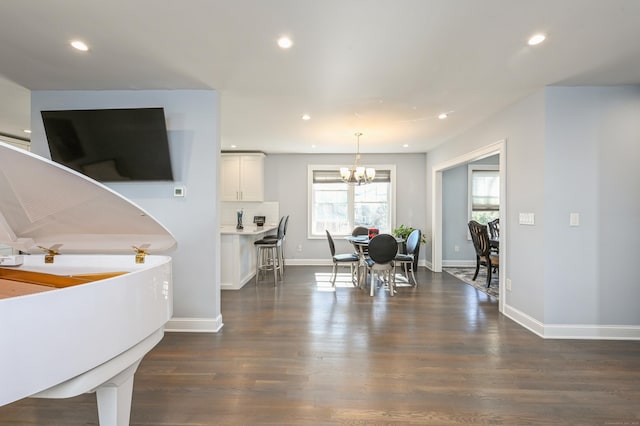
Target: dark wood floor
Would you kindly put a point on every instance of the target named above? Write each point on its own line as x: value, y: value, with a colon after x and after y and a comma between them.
x: 299, y: 354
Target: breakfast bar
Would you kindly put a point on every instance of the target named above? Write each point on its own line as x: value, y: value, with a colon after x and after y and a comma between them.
x: 238, y: 255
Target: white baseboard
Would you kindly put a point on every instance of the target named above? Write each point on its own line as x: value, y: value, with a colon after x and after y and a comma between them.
x: 194, y: 325
x: 524, y: 320
x: 449, y: 264
x: 233, y: 286
x: 596, y: 332
x: 458, y: 263
x: 573, y: 331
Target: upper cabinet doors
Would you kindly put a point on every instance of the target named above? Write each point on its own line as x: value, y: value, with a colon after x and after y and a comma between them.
x: 242, y: 177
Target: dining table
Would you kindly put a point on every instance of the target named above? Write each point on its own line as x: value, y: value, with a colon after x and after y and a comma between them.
x: 361, y: 243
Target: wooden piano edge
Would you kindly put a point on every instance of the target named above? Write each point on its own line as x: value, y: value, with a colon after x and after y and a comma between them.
x: 17, y: 282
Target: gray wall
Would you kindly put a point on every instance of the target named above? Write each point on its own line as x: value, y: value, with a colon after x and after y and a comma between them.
x: 455, y: 200
x: 592, y: 156
x: 568, y: 150
x: 286, y: 182
x: 193, y: 131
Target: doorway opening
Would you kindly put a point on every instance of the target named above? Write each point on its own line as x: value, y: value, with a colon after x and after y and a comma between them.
x: 436, y: 204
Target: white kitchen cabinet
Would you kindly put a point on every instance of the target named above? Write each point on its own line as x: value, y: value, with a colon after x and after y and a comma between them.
x: 242, y: 177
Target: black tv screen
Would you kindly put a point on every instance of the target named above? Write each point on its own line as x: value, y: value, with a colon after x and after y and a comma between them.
x: 111, y: 145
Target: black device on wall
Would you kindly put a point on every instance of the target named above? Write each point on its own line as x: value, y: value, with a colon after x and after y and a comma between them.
x: 110, y: 145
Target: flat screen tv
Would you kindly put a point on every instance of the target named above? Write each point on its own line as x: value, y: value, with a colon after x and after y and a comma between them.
x: 111, y: 145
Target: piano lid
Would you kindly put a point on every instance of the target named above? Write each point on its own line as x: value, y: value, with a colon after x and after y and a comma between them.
x: 45, y: 204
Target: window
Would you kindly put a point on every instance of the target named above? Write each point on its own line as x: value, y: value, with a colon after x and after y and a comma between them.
x: 484, y: 193
x: 338, y: 207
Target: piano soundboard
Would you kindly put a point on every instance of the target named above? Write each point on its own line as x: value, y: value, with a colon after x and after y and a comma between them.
x: 15, y: 282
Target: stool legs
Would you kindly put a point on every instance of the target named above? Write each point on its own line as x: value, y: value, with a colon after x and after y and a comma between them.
x: 268, y: 258
x: 275, y: 256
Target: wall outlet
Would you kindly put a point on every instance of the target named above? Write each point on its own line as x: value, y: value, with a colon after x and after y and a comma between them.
x: 456, y: 248
x: 299, y: 248
x: 508, y: 284
x: 527, y: 219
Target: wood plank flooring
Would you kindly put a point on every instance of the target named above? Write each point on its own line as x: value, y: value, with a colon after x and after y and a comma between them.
x: 300, y: 354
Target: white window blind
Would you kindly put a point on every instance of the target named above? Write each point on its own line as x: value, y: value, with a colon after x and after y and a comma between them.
x: 485, y: 192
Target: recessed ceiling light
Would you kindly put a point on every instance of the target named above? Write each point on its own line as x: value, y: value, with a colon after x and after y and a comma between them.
x: 443, y: 116
x: 306, y: 117
x: 313, y: 146
x: 27, y: 131
x: 234, y: 146
x: 285, y: 42
x: 80, y: 45
x: 536, y: 39
x: 406, y: 145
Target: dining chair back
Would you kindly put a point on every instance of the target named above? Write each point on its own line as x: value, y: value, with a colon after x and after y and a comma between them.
x: 359, y: 230
x: 382, y: 252
x: 484, y: 256
x: 383, y: 248
x: 494, y: 229
x: 494, y: 235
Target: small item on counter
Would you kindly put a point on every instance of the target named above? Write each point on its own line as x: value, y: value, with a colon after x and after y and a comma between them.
x: 239, y: 225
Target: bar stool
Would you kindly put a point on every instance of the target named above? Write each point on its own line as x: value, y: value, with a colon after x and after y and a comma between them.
x: 284, y: 222
x: 268, y: 259
x: 269, y: 255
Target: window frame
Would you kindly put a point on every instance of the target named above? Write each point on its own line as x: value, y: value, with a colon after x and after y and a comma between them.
x: 350, y: 196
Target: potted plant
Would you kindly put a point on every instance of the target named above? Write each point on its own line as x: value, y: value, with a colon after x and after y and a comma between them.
x: 403, y: 232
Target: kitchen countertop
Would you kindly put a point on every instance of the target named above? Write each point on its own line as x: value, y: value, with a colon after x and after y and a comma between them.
x: 250, y: 229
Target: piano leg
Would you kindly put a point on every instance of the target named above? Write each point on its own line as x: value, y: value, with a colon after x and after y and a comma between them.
x: 112, y: 382
x: 114, y: 398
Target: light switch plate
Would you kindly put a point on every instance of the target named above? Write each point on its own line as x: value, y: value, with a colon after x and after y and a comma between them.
x: 574, y: 219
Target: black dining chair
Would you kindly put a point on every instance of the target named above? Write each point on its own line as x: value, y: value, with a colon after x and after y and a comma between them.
x: 351, y: 259
x: 494, y: 229
x: 408, y: 260
x: 360, y: 231
x: 382, y: 252
x: 482, y: 245
x: 494, y: 235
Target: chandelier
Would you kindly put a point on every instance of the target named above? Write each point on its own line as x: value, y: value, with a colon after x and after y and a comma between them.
x: 357, y: 174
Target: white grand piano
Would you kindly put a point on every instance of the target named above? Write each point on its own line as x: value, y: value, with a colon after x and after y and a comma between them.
x: 84, y: 307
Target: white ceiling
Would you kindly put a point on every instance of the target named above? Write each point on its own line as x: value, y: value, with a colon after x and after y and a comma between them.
x: 385, y: 68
